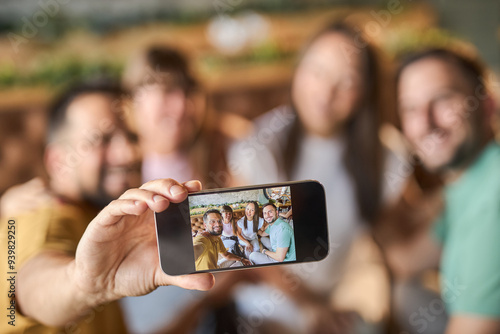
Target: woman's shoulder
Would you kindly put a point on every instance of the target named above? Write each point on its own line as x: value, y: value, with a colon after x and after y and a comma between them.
x: 255, y: 158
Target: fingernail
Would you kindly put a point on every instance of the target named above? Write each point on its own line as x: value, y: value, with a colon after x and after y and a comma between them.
x: 193, y: 183
x: 177, y: 190
x: 158, y: 198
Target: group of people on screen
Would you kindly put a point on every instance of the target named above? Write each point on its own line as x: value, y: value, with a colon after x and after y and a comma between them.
x: 249, y: 241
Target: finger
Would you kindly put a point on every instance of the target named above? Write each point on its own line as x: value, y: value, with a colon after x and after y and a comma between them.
x: 171, y: 189
x: 193, y: 186
x: 203, y: 281
x: 119, y: 208
x: 155, y: 202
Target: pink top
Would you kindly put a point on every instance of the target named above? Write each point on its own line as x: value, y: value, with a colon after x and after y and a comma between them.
x: 227, y: 230
x: 175, y: 166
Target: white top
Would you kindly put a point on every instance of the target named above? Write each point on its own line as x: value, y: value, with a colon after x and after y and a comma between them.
x: 255, y: 161
x: 248, y: 233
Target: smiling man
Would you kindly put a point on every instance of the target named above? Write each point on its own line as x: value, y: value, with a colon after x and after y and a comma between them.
x: 94, y: 242
x: 446, y: 113
x: 208, y: 245
x: 281, y: 238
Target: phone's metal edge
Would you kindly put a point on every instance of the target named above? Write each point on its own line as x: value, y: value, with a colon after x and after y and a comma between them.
x: 265, y: 185
x: 326, y: 217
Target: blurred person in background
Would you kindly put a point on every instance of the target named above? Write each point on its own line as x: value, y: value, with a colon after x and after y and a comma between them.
x: 330, y: 133
x: 446, y: 113
x: 169, y: 112
x: 69, y: 249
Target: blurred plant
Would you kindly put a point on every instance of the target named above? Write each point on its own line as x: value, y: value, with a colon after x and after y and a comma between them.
x: 267, y: 52
x: 403, y: 41
x: 57, y: 74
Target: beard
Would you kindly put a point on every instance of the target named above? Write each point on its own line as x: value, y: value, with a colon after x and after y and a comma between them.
x: 99, y: 198
x: 212, y: 232
x: 465, y: 153
x: 272, y: 220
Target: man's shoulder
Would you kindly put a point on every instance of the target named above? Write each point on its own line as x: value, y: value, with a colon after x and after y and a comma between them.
x: 282, y: 226
x: 200, y: 237
x: 480, y: 181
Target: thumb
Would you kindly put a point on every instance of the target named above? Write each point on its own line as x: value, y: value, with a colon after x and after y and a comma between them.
x: 202, y: 281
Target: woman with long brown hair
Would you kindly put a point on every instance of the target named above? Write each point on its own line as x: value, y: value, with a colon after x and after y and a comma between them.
x: 248, y: 226
x: 328, y: 132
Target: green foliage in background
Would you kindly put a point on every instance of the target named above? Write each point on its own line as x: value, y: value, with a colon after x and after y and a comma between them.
x: 409, y: 40
x: 58, y: 74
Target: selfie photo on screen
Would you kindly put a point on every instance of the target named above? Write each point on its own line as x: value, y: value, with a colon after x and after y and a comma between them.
x: 242, y: 228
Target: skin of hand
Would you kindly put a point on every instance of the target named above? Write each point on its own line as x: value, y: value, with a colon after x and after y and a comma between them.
x: 25, y: 197
x: 117, y: 256
x: 119, y: 248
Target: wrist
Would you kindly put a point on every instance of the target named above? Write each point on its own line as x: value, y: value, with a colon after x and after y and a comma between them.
x: 87, y: 294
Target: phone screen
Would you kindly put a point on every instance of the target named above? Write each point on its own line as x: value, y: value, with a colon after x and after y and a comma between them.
x: 254, y: 225
x: 230, y: 229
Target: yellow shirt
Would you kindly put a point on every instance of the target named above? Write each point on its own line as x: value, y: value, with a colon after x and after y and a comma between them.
x: 58, y: 227
x: 211, y: 248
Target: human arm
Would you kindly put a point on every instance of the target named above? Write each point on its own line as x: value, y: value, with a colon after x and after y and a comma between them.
x: 117, y: 256
x: 286, y: 215
x: 248, y: 244
x: 262, y: 230
x: 25, y: 197
x: 283, y: 238
x: 232, y: 257
x: 279, y: 255
x: 464, y: 324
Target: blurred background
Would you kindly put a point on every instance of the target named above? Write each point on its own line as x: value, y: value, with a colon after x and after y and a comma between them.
x: 243, y: 51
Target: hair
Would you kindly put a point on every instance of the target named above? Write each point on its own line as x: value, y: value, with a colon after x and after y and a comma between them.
x: 269, y: 204
x: 363, y: 157
x: 167, y: 66
x: 159, y: 65
x: 57, y: 115
x: 227, y: 208
x: 255, y: 218
x: 205, y: 215
x: 472, y: 69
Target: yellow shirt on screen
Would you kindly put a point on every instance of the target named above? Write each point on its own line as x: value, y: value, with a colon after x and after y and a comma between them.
x: 211, y: 248
x: 58, y: 227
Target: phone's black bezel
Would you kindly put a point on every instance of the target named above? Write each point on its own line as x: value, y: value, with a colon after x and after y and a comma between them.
x: 174, y: 235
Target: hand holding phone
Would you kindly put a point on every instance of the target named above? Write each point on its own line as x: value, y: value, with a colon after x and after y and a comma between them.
x: 243, y: 227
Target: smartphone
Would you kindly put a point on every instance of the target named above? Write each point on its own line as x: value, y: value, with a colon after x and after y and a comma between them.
x: 244, y: 227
